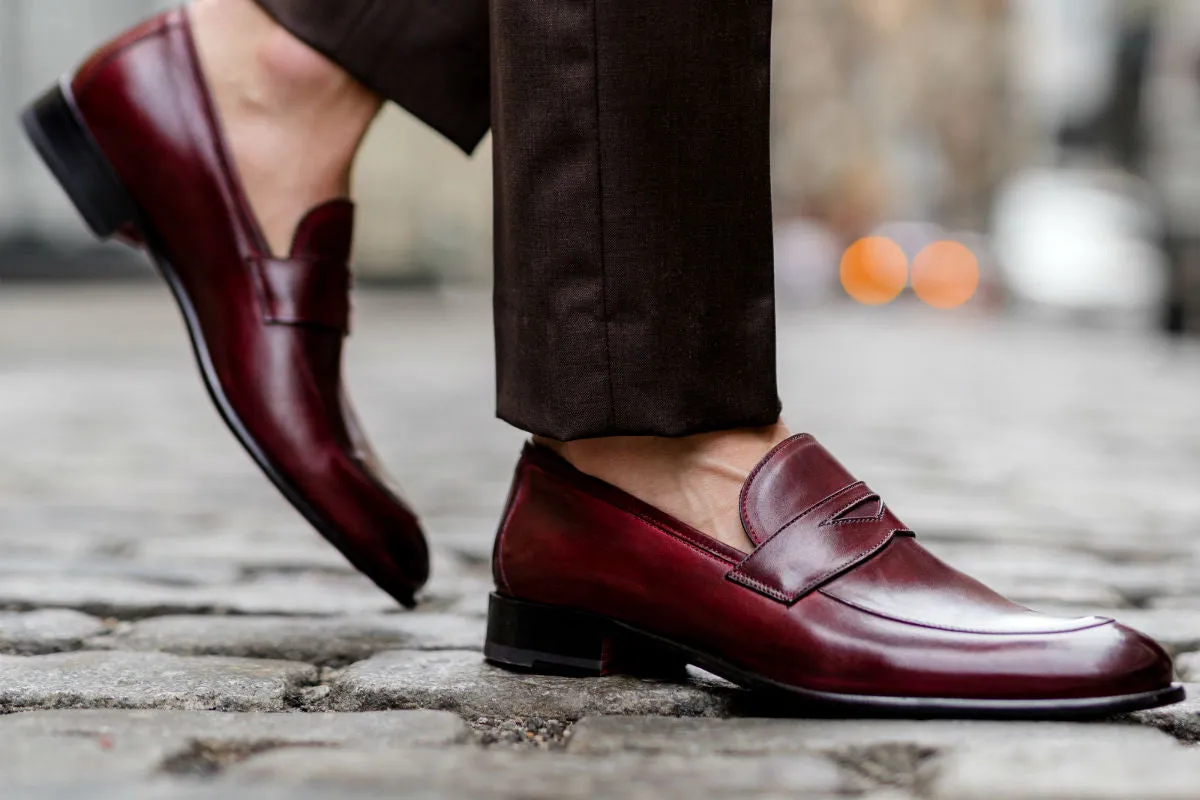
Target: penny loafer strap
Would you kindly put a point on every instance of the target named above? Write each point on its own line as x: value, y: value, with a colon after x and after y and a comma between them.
x: 828, y: 539
x: 304, y: 291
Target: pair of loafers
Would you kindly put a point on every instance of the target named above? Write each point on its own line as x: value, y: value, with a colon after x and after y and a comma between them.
x: 838, y: 604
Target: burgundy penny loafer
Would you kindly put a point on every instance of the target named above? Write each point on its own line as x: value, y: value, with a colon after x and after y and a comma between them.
x: 134, y: 140
x: 837, y: 605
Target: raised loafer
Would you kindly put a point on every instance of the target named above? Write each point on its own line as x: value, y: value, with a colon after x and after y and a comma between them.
x: 134, y: 140
x: 838, y: 604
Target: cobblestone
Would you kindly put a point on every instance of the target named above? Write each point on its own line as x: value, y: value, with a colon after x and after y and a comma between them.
x: 149, y: 680
x: 113, y: 745
x: 148, y: 565
x: 540, y: 776
x: 328, y: 641
x: 41, y: 632
x: 461, y: 682
x: 1070, y: 770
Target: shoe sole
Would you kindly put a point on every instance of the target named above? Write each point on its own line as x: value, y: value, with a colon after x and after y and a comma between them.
x: 550, y: 640
x: 62, y: 139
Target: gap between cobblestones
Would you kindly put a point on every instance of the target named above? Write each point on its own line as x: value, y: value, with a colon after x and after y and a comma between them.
x: 208, y: 758
x: 901, y: 766
x: 895, y: 765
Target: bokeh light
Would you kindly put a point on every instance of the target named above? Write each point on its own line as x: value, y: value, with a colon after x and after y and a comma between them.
x: 874, y: 270
x: 945, y: 274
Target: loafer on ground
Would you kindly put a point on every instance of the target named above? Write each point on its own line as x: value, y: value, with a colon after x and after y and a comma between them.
x: 134, y: 139
x: 837, y: 605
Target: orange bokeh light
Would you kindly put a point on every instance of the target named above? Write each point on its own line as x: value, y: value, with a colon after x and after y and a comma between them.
x: 874, y: 270
x: 945, y: 274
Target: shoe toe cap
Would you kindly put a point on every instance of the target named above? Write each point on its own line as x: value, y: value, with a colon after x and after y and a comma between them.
x: 1133, y: 662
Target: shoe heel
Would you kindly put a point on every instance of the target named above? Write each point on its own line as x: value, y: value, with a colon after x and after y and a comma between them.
x: 548, y: 640
x: 61, y: 138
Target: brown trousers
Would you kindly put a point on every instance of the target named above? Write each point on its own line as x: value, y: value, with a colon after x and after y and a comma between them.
x: 634, y: 266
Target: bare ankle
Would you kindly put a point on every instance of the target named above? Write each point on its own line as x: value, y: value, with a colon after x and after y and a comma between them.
x: 269, y: 67
x: 696, y: 479
x: 282, y: 105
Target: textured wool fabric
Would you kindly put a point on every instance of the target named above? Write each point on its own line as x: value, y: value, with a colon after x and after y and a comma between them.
x: 429, y: 56
x: 634, y: 265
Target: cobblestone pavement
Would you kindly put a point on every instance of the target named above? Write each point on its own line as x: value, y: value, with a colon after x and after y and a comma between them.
x: 170, y: 629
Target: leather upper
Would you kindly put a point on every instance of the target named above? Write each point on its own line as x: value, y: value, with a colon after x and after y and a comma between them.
x: 312, y: 285
x: 837, y: 596
x: 270, y: 327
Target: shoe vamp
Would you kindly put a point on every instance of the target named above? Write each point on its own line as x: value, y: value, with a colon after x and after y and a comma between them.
x: 908, y: 584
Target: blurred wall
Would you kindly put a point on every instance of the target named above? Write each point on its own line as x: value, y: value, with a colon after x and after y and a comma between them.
x: 425, y: 208
x: 891, y: 109
x: 886, y: 109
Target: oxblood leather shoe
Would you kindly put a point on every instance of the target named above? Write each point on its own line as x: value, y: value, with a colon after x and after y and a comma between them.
x: 134, y: 139
x: 838, y: 604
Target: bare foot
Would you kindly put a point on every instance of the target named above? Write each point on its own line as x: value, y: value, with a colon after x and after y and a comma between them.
x: 292, y: 118
x: 696, y: 479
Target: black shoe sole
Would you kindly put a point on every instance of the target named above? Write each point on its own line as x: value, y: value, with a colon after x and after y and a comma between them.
x: 57, y: 131
x: 550, y: 640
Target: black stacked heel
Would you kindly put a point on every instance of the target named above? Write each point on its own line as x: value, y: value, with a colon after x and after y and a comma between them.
x: 61, y: 138
x: 548, y: 640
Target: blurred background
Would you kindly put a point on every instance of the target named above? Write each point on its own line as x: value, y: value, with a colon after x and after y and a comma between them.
x: 1057, y: 142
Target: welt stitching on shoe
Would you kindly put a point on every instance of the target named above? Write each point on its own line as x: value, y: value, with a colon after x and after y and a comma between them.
x: 845, y: 565
x: 739, y: 576
x: 694, y: 545
x: 808, y: 511
x: 834, y: 519
x: 1100, y: 621
x: 746, y: 580
x: 615, y: 498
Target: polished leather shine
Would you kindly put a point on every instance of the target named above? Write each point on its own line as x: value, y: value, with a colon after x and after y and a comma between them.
x: 837, y: 598
x: 268, y: 329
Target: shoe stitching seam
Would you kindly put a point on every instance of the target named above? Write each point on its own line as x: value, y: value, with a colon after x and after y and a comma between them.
x: 757, y: 585
x: 1100, y: 622
x: 228, y: 178
x: 768, y: 458
x: 791, y: 597
x: 835, y: 519
x: 652, y: 523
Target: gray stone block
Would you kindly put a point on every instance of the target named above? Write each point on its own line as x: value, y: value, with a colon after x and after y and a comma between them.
x: 70, y: 747
x: 1181, y: 720
x: 540, y: 776
x: 377, y: 728
x: 303, y: 595
x: 149, y: 680
x: 42, y: 632
x: 164, y: 789
x: 35, y: 759
x: 604, y: 736
x: 463, y: 683
x: 1187, y: 667
x: 1113, y: 770
x: 334, y: 641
